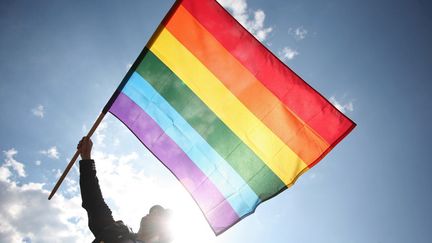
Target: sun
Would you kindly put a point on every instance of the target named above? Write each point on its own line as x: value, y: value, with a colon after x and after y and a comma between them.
x: 188, y: 223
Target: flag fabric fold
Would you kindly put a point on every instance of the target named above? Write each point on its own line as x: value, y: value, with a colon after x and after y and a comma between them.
x: 233, y: 123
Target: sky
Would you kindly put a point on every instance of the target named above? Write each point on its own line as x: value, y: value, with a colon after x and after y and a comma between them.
x: 60, y: 61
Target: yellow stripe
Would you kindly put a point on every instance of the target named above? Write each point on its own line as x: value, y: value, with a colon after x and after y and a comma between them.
x: 273, y: 151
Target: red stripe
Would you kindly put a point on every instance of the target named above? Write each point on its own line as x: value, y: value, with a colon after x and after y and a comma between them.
x: 295, y: 93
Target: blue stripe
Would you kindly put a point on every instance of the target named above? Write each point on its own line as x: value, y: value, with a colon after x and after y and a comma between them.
x: 237, y: 192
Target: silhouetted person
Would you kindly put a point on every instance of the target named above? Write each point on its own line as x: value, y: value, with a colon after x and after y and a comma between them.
x: 153, y: 226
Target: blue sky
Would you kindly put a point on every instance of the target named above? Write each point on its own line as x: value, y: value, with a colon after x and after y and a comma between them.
x: 60, y: 61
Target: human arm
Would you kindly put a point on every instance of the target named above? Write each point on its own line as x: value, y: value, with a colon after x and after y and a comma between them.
x: 99, y: 214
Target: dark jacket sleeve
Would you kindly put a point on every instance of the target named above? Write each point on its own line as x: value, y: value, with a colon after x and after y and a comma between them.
x: 99, y: 214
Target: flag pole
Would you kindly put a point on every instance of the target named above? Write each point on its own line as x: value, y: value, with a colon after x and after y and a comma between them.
x: 72, y: 161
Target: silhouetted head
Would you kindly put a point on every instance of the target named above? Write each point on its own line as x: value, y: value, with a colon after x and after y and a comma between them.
x: 154, y: 227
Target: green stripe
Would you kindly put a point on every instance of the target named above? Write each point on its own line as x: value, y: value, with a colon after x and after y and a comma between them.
x: 249, y: 166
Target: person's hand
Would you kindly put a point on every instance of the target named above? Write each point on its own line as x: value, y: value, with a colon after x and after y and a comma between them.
x: 84, y: 147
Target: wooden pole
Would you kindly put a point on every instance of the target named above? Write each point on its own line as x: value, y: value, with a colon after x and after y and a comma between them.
x: 71, y: 163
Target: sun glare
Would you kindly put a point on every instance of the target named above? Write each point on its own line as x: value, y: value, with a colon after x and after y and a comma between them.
x: 188, y: 223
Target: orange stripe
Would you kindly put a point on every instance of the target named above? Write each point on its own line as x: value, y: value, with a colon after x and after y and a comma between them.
x: 250, y: 91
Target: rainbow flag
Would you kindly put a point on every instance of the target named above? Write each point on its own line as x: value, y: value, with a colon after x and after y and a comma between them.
x: 233, y: 123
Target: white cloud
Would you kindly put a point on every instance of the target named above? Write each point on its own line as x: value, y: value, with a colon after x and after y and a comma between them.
x: 299, y: 33
x: 99, y: 135
x: 4, y: 173
x: 38, y: 162
x: 10, y: 162
x: 51, y: 153
x: 72, y: 186
x: 27, y: 215
x: 38, y: 111
x: 349, y: 106
x: 288, y: 53
x: 251, y: 20
x: 57, y: 173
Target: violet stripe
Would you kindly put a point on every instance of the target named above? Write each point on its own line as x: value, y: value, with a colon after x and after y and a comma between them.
x: 169, y: 153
